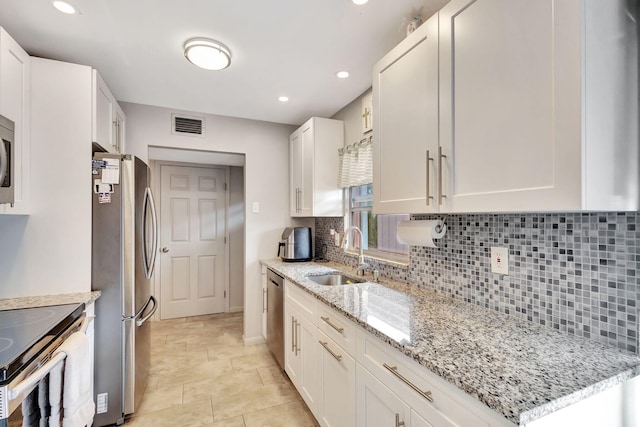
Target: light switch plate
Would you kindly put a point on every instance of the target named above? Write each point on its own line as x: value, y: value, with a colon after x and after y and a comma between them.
x: 500, y: 260
x: 255, y: 207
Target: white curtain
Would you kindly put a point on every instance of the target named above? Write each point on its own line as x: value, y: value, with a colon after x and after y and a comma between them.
x: 356, y: 164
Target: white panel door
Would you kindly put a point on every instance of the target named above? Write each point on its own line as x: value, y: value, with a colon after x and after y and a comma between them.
x: 338, y: 385
x: 193, y: 278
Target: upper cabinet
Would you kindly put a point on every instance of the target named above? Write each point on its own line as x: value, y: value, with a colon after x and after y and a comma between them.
x: 538, y: 107
x: 108, y: 117
x: 313, y: 168
x: 405, y: 123
x: 15, y: 98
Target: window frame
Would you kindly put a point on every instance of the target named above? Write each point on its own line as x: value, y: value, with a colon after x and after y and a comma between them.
x: 379, y: 255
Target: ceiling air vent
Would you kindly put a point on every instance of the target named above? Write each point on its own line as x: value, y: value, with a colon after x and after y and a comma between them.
x: 187, y: 125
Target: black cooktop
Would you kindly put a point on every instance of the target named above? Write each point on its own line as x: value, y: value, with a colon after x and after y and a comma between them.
x: 26, y: 332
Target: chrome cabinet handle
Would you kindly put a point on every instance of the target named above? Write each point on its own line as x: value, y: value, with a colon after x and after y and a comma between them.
x: 297, y: 337
x: 394, y: 371
x: 440, y: 157
x: 429, y: 196
x: 398, y: 422
x: 293, y: 335
x: 338, y: 357
x: 330, y: 323
x: 264, y: 301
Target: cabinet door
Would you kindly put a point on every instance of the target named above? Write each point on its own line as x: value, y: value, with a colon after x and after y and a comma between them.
x: 295, y: 173
x: 418, y: 421
x: 510, y: 106
x: 405, y: 122
x: 292, y: 356
x: 307, y: 176
x: 119, y: 128
x: 338, y: 385
x: 103, y: 114
x: 377, y: 406
x: 15, y: 94
x: 263, y: 281
x: 309, y: 384
x: 301, y: 358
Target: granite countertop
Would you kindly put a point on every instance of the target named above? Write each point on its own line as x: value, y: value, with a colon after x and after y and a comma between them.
x: 45, y: 300
x: 522, y: 370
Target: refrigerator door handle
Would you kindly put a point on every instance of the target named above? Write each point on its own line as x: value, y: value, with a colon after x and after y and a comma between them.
x: 4, y: 161
x: 139, y: 322
x: 150, y: 255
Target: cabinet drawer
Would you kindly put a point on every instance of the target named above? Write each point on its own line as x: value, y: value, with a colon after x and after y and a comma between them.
x: 303, y: 302
x: 445, y: 404
x: 337, y: 327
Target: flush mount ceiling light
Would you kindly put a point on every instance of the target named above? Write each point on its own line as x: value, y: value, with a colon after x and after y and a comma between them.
x: 65, y: 7
x: 342, y: 74
x: 208, y: 54
x: 359, y: 2
x: 283, y: 98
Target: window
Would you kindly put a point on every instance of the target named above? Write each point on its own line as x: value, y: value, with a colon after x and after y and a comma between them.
x: 379, y: 231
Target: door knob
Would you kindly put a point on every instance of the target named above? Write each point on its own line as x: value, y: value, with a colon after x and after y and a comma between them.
x: 165, y: 250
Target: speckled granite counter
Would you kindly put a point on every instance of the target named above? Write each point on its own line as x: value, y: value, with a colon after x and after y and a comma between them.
x: 519, y: 369
x: 42, y: 301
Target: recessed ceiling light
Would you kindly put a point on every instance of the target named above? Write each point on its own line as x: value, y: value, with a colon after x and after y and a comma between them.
x: 342, y: 74
x: 65, y: 7
x: 283, y: 99
x: 208, y: 54
x: 359, y: 2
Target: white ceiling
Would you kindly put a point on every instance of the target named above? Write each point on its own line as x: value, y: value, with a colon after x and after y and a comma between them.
x: 279, y: 47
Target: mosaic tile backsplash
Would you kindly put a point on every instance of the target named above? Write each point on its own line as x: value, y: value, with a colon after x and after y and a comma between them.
x: 575, y: 272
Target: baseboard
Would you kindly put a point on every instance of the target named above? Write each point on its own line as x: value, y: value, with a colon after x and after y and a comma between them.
x: 236, y: 309
x: 253, y: 340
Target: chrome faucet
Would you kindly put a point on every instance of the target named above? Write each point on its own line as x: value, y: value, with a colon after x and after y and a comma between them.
x: 362, y: 266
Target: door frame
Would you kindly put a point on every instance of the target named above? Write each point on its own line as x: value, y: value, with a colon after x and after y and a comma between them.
x: 156, y: 180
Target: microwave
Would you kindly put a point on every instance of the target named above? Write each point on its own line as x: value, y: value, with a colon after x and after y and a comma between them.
x: 7, y: 155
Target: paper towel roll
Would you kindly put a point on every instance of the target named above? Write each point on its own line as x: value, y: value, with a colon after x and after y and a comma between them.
x: 420, y: 233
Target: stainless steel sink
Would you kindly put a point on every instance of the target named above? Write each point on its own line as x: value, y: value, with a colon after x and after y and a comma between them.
x: 333, y: 279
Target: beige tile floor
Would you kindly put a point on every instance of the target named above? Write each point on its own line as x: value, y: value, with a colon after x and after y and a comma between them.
x: 203, y: 375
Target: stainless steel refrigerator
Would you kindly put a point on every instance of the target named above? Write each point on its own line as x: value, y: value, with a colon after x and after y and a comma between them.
x: 124, y: 245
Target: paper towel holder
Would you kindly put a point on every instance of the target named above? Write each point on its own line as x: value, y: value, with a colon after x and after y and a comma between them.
x: 442, y: 227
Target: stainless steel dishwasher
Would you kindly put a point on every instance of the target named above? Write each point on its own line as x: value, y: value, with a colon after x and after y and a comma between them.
x: 275, y: 315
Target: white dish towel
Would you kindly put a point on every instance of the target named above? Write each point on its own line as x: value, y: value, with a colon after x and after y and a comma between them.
x: 78, y: 407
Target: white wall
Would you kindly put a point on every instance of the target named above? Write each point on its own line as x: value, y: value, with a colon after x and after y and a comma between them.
x: 266, y: 150
x: 351, y: 115
x: 49, y: 251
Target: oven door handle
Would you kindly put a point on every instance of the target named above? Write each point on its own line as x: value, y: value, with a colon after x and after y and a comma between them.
x: 33, y: 379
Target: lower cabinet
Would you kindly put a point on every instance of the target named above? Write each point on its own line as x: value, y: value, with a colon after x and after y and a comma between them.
x: 348, y: 377
x: 302, y: 356
x: 338, y: 378
x: 377, y: 405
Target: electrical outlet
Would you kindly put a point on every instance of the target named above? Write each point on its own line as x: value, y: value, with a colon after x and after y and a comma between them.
x: 500, y: 260
x: 336, y: 239
x: 256, y: 207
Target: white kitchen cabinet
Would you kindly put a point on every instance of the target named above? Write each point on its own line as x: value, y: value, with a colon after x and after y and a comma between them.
x: 263, y: 282
x: 538, y: 105
x: 338, y: 370
x: 431, y: 398
x: 313, y: 168
x: 108, y: 117
x: 301, y: 346
x: 524, y: 106
x: 405, y: 122
x: 377, y: 406
x: 15, y: 99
